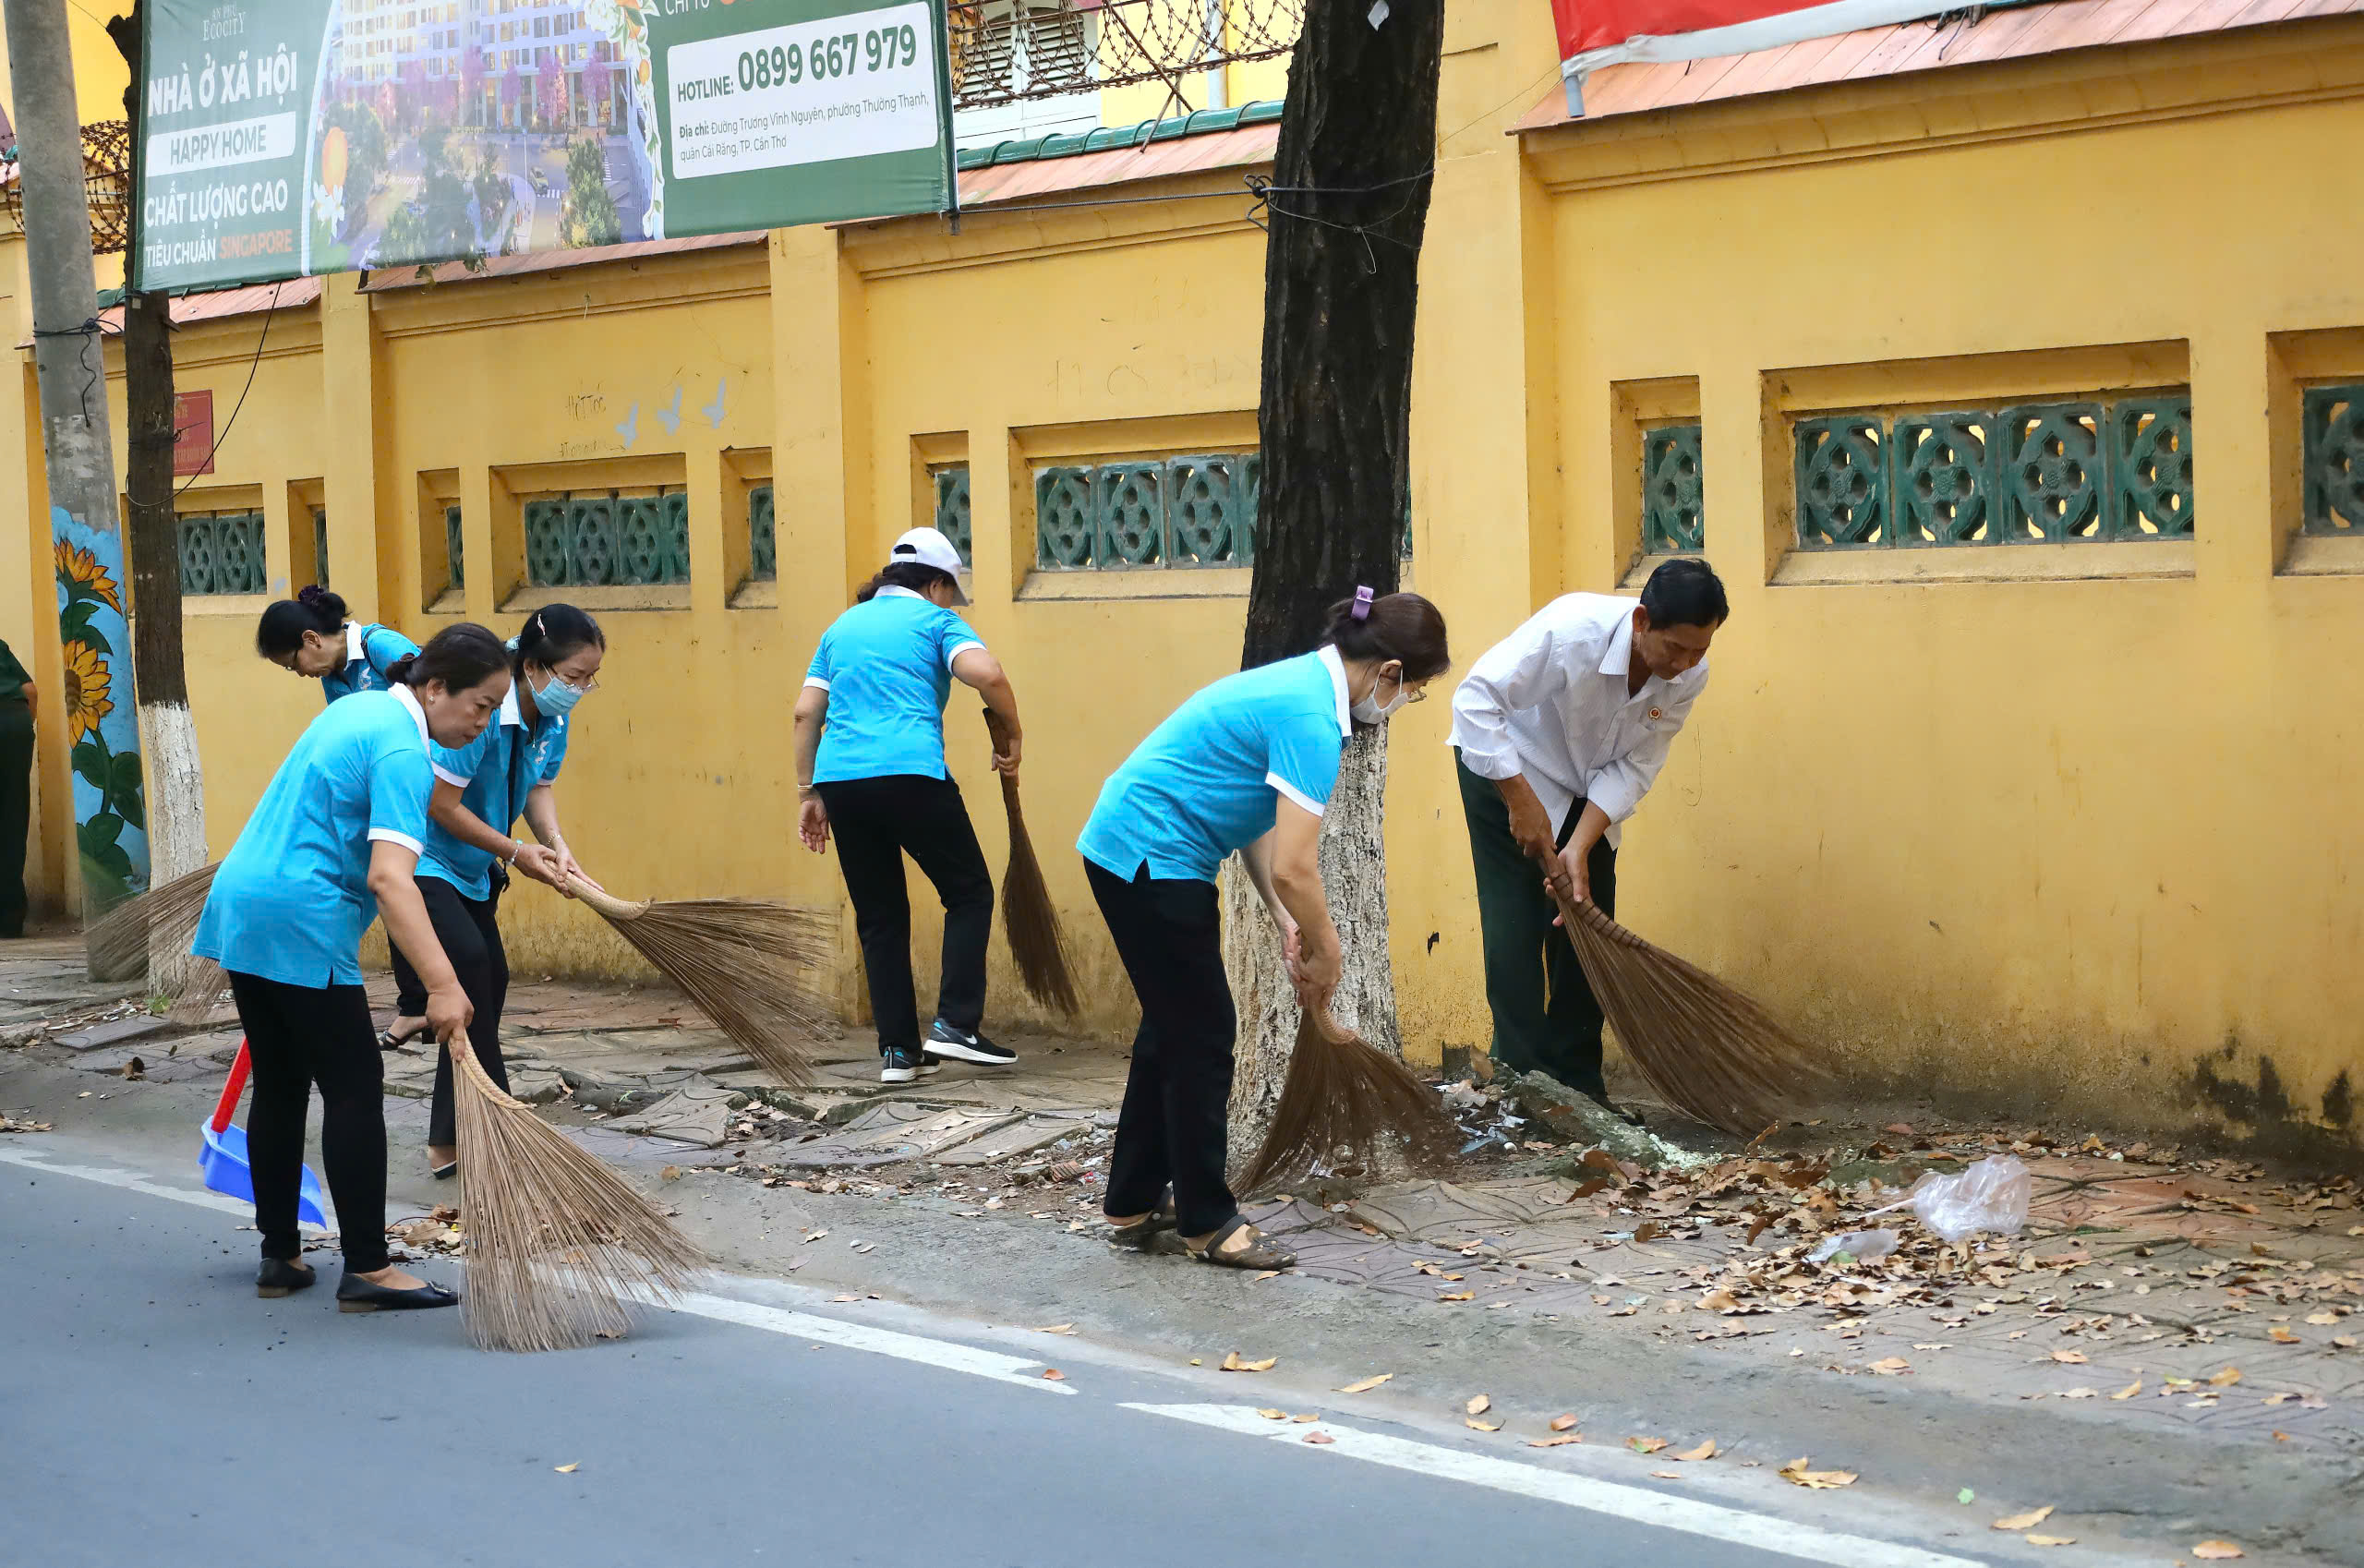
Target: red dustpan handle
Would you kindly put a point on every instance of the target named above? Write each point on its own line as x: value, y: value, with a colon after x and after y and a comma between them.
x: 228, y: 1104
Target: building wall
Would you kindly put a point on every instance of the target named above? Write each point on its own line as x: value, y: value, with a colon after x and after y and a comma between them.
x: 2038, y: 824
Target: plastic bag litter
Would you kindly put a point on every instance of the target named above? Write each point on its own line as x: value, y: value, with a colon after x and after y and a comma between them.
x: 1861, y: 1245
x: 1991, y: 1195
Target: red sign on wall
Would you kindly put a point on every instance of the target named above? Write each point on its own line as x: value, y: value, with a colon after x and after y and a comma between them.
x: 192, y: 432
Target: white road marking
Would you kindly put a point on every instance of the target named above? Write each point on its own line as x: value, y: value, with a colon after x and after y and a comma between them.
x: 807, y: 1326
x: 1663, y: 1510
x: 883, y: 1342
x: 199, y: 1197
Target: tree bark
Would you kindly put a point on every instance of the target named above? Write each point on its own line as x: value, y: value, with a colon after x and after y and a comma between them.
x: 1347, y: 212
x: 175, y: 780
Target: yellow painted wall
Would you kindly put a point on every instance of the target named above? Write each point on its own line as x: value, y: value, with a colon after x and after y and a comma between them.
x: 2043, y: 842
x: 100, y: 74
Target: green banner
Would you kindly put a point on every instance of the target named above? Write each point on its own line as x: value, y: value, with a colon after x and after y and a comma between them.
x: 290, y: 138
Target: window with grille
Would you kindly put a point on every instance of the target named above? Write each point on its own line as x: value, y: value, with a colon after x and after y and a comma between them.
x: 2027, y: 473
x: 951, y: 519
x: 1170, y: 512
x: 223, y: 552
x: 608, y: 538
x: 2334, y: 460
x: 1674, y: 518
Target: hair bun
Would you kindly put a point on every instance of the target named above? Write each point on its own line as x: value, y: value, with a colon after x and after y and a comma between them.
x: 311, y: 592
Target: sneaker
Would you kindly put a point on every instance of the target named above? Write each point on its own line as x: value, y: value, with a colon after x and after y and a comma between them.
x: 904, y: 1067
x: 942, y: 1040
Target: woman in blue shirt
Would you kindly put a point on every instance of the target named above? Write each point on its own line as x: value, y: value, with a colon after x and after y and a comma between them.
x: 870, y: 765
x: 340, y: 828
x: 310, y: 635
x: 481, y: 790
x: 1246, y: 766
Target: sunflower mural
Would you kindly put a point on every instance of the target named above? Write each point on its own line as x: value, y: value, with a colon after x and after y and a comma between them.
x: 102, y: 725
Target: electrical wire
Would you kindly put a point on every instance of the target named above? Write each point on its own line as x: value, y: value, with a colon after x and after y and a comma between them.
x: 253, y: 365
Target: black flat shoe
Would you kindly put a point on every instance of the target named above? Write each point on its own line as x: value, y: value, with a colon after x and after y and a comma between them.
x: 281, y: 1276
x: 356, y: 1295
x: 444, y: 1172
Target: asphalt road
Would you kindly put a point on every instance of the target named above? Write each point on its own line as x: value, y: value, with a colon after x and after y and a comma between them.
x: 155, y: 1410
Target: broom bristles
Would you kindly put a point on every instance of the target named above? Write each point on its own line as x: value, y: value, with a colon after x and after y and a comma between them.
x: 1710, y: 1050
x: 165, y: 916
x: 1347, y: 1104
x: 1029, y: 922
x: 747, y: 964
x: 559, y: 1247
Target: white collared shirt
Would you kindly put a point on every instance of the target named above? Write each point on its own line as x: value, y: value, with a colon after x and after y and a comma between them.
x: 1549, y: 701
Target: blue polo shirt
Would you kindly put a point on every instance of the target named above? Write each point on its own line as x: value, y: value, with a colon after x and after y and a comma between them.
x: 369, y: 651
x: 1208, y: 781
x: 495, y: 772
x: 293, y: 898
x: 887, y: 667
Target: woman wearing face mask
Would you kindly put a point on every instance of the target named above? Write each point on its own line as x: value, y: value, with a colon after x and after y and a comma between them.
x: 340, y: 827
x: 1247, y: 765
x: 480, y: 792
x: 310, y: 635
x: 870, y: 765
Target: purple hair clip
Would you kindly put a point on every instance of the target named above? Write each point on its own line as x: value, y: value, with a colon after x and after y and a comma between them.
x: 1362, y: 604
x: 310, y: 594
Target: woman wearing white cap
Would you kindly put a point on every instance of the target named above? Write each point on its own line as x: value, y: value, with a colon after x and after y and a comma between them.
x: 869, y: 764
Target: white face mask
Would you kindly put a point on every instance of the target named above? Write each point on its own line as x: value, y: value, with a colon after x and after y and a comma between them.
x: 1369, y: 711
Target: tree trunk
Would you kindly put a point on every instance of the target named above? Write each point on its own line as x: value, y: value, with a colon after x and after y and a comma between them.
x: 1348, y: 211
x: 175, y: 781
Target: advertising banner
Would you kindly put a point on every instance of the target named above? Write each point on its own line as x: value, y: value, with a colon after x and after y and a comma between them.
x: 292, y: 138
x: 1594, y: 33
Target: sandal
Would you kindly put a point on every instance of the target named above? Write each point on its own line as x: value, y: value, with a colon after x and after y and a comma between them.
x: 1263, y: 1252
x: 389, y: 1041
x: 1146, y: 1234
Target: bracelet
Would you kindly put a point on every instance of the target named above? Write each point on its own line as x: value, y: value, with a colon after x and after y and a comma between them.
x: 513, y: 847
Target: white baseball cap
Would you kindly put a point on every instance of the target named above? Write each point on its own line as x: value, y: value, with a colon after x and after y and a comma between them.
x: 930, y: 548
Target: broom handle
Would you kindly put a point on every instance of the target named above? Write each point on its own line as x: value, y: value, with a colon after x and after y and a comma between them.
x: 606, y: 903
x: 998, y: 733
x: 226, y: 1105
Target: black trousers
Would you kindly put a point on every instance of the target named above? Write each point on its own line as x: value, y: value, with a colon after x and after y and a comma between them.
x: 1175, y: 1124
x: 297, y: 1036
x: 1546, y: 1017
x: 470, y: 932
x: 15, y: 813
x: 877, y: 822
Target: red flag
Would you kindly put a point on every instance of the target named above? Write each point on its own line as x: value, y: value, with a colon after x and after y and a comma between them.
x: 1594, y: 33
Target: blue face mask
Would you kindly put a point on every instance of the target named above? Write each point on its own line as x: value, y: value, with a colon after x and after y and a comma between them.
x: 555, y: 697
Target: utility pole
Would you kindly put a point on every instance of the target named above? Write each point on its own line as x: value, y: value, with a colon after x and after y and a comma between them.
x: 100, y: 710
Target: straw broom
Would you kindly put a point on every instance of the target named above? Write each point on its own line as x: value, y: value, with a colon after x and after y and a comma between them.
x: 559, y: 1247
x: 1345, y: 1104
x: 746, y: 963
x: 1028, y: 922
x: 1710, y: 1052
x: 164, y: 916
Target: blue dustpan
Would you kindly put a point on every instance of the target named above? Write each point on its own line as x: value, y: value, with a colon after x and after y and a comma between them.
x: 222, y: 1157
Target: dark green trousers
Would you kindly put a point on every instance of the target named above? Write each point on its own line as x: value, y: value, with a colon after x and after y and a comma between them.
x: 15, y: 813
x: 1545, y: 1018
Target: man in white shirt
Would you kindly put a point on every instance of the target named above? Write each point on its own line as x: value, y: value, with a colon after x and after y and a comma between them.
x: 1560, y: 730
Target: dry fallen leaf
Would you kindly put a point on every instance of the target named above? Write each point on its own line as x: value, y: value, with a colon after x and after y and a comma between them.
x: 1796, y: 1473
x: 1562, y: 1440
x: 2033, y: 1540
x: 2129, y: 1391
x: 1667, y: 1475
x: 1563, y: 1423
x: 1475, y: 1425
x: 1057, y: 1327
x: 1707, y: 1450
x: 2217, y: 1550
x: 1896, y: 1366
x: 1367, y: 1384
x: 1458, y: 1295
x: 1232, y: 1363
x: 670, y: 1172
x: 2345, y: 1341
x: 1478, y: 1404
x: 1645, y: 1445
x: 2069, y: 1357
x: 2281, y: 1335
x: 845, y: 1299
x: 2322, y: 1320
x: 2028, y: 1521
x: 1052, y: 1374
x: 2226, y: 1378
x: 1273, y: 1415
x: 1308, y: 1416
x: 1320, y: 1437
x: 568, y: 1469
